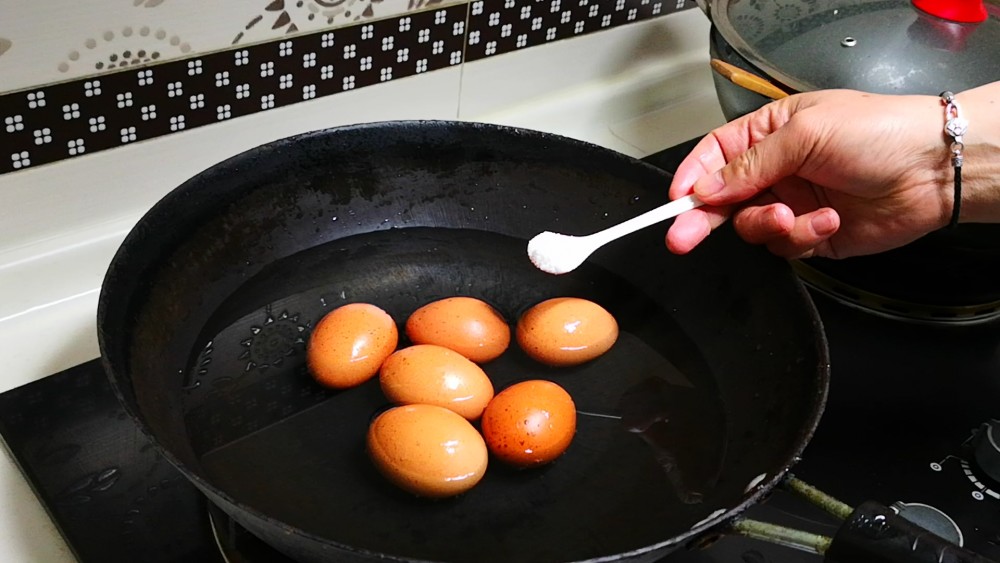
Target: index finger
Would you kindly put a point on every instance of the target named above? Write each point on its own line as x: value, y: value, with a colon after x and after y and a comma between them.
x: 705, y: 158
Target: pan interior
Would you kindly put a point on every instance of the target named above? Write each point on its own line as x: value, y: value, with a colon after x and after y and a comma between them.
x: 204, y: 316
x: 645, y: 463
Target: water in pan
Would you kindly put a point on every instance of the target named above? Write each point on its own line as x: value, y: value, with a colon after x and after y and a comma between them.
x: 644, y: 466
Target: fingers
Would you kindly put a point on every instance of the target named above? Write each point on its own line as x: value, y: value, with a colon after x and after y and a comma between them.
x: 760, y: 148
x: 692, y: 227
x: 760, y: 224
x: 705, y: 158
x: 738, y: 162
x: 773, y: 225
x: 810, y: 236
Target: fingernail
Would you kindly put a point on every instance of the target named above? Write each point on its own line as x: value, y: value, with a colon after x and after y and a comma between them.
x: 823, y: 224
x: 712, y: 185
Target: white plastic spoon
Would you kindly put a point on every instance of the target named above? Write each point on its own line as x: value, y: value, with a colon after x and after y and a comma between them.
x: 560, y: 254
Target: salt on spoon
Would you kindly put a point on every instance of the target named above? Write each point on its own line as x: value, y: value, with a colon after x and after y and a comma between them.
x: 555, y: 253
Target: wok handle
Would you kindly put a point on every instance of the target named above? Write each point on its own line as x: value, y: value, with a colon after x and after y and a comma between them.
x: 747, y: 80
x: 874, y: 533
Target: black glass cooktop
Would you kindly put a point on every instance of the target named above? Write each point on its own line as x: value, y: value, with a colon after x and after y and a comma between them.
x: 909, y: 413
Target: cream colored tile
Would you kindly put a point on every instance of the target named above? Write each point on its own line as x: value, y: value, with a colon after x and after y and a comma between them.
x: 74, y: 39
x: 51, y: 203
x: 635, y: 89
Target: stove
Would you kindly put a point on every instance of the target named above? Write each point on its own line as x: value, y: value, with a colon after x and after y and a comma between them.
x: 912, y: 421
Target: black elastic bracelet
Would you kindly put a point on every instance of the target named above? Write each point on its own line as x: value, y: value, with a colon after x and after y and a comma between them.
x: 955, y: 127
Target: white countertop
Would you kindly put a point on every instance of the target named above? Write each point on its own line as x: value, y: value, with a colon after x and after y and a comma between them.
x: 641, y: 88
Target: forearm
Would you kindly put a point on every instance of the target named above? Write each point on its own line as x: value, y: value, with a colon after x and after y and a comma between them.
x: 981, y: 164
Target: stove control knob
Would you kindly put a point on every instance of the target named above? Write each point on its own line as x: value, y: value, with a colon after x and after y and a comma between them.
x: 930, y: 519
x: 986, y: 452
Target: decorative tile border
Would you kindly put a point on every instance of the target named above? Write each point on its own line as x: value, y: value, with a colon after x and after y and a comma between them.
x: 111, y: 110
x: 72, y: 40
x: 60, y: 121
x: 501, y: 26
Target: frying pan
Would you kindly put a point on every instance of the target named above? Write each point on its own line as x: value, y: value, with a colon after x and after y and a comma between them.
x: 711, y: 393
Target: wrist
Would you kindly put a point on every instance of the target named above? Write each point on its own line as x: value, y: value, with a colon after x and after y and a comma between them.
x: 981, y: 161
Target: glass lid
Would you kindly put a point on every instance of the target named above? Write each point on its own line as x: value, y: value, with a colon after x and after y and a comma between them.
x: 885, y: 46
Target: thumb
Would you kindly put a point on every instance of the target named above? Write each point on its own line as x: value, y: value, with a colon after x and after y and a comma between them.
x: 778, y: 155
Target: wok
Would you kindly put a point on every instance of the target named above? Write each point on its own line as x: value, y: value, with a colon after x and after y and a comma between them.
x: 711, y: 393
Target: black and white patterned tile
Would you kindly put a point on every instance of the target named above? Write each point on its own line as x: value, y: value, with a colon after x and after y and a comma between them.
x: 80, y: 117
x: 501, y: 26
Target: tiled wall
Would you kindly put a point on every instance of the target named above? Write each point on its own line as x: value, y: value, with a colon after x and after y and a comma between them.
x: 115, y: 104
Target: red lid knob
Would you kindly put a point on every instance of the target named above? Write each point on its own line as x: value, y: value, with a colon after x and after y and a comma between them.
x: 964, y: 11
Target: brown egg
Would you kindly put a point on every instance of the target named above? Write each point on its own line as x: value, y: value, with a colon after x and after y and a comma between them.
x: 467, y: 325
x: 349, y: 344
x: 436, y: 375
x: 566, y: 331
x: 427, y: 450
x: 529, y: 423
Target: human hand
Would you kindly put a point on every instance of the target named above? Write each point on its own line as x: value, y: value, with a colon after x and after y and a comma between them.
x: 833, y: 173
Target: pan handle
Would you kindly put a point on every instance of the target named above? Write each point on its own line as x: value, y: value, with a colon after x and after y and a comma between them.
x: 875, y: 533
x: 870, y: 533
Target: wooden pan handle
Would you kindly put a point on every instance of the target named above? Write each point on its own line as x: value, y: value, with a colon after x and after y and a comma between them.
x: 747, y: 80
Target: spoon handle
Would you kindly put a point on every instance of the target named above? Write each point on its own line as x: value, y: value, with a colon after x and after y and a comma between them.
x: 651, y: 217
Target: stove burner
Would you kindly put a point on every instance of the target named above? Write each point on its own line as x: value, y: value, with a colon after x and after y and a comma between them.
x: 932, y: 519
x: 895, y: 308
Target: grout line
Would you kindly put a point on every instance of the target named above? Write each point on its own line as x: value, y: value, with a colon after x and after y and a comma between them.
x: 465, y: 57
x: 49, y: 304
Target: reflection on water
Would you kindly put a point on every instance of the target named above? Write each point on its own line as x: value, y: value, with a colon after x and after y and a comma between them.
x: 683, y: 427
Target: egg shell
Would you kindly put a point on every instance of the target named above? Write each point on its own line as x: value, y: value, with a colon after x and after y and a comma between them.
x: 349, y: 344
x: 530, y: 423
x: 435, y: 375
x: 566, y: 331
x: 467, y: 325
x: 427, y: 450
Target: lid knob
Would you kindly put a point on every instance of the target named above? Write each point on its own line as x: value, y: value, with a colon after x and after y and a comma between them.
x: 963, y: 11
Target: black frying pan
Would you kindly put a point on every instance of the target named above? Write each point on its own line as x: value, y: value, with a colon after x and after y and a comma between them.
x: 711, y: 393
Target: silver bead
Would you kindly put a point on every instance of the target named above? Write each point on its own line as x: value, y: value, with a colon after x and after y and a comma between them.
x: 956, y: 126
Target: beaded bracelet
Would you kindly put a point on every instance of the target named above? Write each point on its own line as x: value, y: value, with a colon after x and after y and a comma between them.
x: 955, y: 127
